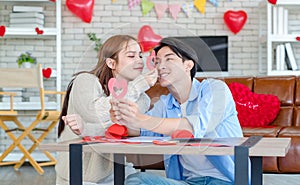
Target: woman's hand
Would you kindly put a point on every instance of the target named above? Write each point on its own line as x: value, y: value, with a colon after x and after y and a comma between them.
x: 126, y: 113
x: 151, y: 77
x: 75, y: 122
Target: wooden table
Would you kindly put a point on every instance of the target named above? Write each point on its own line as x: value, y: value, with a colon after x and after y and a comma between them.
x: 256, y: 147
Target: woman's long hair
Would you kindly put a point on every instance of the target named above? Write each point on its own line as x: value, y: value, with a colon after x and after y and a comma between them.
x: 110, y: 49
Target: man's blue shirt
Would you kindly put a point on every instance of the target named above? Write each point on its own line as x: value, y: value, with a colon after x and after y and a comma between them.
x: 211, y: 112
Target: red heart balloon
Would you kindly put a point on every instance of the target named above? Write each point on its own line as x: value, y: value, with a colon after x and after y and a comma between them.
x: 254, y: 110
x: 147, y: 38
x: 81, y: 8
x: 235, y: 20
x: 272, y: 1
x: 2, y: 31
x: 47, y: 72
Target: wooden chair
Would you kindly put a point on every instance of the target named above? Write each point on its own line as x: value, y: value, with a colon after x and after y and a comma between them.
x: 26, y: 78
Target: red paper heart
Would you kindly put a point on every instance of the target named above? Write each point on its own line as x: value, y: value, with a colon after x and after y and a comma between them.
x: 116, y: 131
x: 81, y: 8
x: 150, y: 63
x: 38, y: 31
x: 2, y: 31
x: 298, y: 38
x: 182, y: 134
x: 272, y: 1
x: 117, y: 87
x: 254, y: 110
x: 53, y: 0
x: 235, y: 20
x: 47, y: 72
x: 147, y: 38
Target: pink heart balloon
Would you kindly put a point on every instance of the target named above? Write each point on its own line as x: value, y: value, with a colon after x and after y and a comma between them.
x: 117, y: 87
x: 147, y: 38
x: 235, y: 20
x: 81, y: 8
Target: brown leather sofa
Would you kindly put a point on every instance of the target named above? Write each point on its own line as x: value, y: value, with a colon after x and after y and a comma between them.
x: 287, y: 123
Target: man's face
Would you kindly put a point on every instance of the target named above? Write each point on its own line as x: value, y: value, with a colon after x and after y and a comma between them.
x: 171, y: 68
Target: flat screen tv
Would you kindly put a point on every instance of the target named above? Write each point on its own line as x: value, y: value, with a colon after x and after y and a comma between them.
x: 212, y: 52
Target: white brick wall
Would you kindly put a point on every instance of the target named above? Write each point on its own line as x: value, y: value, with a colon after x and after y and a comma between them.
x: 115, y: 18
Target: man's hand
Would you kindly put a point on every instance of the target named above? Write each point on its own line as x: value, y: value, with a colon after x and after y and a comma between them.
x: 75, y: 122
x: 151, y: 77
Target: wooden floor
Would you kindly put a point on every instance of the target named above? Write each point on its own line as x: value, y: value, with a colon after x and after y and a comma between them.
x: 28, y: 176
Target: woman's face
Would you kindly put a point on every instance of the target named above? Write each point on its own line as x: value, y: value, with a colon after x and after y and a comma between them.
x: 130, y: 63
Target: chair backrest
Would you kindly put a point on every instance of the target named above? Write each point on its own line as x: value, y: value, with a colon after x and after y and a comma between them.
x: 21, y: 77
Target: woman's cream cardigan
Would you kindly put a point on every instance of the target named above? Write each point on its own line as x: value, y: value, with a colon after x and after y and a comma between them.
x: 89, y: 101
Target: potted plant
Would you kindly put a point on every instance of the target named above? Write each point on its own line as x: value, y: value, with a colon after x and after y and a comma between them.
x: 26, y: 59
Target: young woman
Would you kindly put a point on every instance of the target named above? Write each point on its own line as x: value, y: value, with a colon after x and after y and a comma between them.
x: 88, y: 97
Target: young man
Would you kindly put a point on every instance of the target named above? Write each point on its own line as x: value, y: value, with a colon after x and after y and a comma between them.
x: 206, y: 109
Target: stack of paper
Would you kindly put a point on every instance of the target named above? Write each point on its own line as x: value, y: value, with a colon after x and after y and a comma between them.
x: 27, y: 16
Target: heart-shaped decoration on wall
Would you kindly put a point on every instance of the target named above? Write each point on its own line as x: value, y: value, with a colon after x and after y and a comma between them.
x: 117, y: 87
x: 47, y: 72
x: 2, y: 31
x: 254, y: 110
x: 147, y: 38
x: 39, y: 31
x: 298, y: 38
x: 82, y: 9
x: 235, y: 20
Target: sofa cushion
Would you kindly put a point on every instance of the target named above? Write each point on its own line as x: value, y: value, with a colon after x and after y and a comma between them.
x: 254, y: 109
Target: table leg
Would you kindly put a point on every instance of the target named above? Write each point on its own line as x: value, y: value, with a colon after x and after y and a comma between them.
x: 75, y: 166
x: 256, y: 171
x: 241, y: 156
x: 119, y: 169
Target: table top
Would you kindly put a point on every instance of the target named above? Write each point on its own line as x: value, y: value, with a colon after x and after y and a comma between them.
x: 225, y: 146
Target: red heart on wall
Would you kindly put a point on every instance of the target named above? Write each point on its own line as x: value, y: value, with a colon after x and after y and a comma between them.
x: 298, y: 38
x: 81, y: 8
x: 147, y: 38
x: 38, y: 31
x: 272, y: 1
x: 2, y: 31
x: 235, y: 20
x: 254, y: 110
x: 117, y: 87
x: 47, y: 72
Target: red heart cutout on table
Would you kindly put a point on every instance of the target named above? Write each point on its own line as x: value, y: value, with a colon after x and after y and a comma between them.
x: 47, y: 72
x: 147, y: 38
x: 117, y: 87
x: 254, y: 110
x: 150, y: 63
x: 182, y: 134
x: 38, y: 31
x: 298, y: 38
x: 81, y: 8
x: 272, y: 1
x: 2, y: 31
x: 116, y: 131
x: 235, y: 20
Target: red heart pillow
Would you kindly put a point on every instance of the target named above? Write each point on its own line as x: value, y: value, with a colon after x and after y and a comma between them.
x: 254, y: 110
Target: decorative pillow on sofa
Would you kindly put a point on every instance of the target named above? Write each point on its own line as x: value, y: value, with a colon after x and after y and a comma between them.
x: 254, y: 110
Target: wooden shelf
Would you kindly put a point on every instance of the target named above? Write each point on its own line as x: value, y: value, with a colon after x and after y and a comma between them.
x: 23, y: 32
